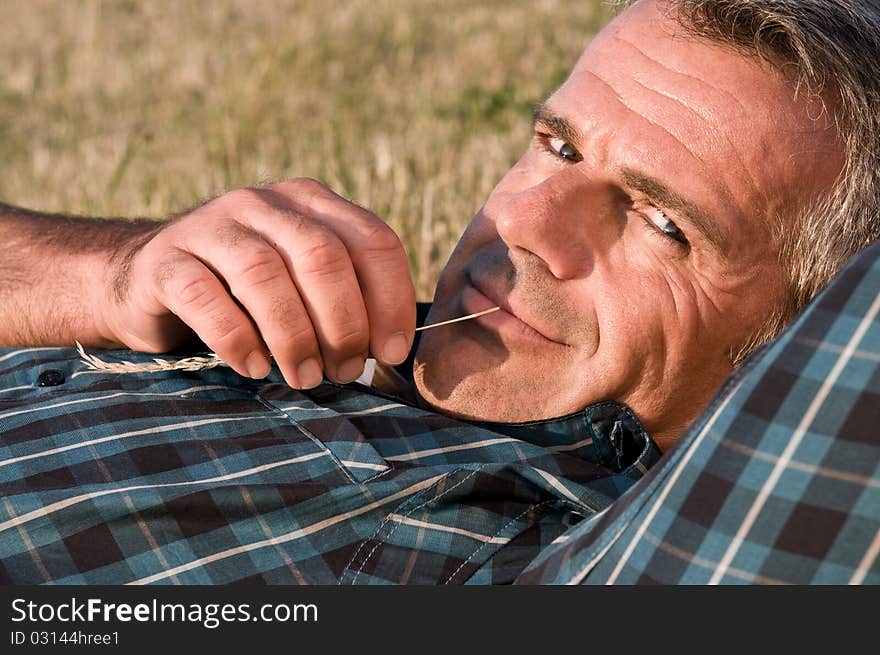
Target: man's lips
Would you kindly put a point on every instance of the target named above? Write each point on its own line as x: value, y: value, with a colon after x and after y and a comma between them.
x: 476, y: 297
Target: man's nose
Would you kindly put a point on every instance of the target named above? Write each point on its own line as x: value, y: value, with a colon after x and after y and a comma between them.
x: 566, y: 219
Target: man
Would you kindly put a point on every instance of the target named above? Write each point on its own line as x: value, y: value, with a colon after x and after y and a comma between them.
x: 662, y: 223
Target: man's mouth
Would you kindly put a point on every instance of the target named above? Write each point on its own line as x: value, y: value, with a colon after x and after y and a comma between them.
x: 509, y: 321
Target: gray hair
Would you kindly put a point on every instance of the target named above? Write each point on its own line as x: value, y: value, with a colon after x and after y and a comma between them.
x: 830, y: 49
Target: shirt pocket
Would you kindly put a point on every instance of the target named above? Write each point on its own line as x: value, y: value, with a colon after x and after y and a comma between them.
x: 331, y: 430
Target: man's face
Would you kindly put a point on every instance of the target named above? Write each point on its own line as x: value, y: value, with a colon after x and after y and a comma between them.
x: 630, y: 247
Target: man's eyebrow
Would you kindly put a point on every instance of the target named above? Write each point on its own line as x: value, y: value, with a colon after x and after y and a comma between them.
x: 661, y: 194
x: 560, y: 126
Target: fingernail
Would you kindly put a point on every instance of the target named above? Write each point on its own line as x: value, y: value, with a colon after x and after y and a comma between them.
x: 350, y: 369
x: 396, y: 349
x: 257, y: 365
x: 309, y: 373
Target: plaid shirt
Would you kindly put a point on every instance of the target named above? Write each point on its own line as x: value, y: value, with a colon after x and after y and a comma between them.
x: 207, y: 477
x: 210, y: 478
x: 777, y: 482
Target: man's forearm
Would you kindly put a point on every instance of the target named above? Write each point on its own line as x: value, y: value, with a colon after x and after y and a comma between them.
x: 53, y: 275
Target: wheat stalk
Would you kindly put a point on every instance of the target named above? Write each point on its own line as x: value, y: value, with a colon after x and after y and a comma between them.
x: 203, y: 363
x: 460, y: 318
x: 185, y: 364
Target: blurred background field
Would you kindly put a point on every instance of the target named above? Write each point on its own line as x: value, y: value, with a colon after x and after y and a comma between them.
x: 414, y: 109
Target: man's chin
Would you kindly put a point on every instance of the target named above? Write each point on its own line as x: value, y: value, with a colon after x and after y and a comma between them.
x: 480, y: 394
x: 453, y: 365
x: 462, y: 404
x: 444, y: 385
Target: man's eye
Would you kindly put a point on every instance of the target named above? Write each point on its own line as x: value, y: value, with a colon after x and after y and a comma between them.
x: 563, y: 149
x: 665, y: 225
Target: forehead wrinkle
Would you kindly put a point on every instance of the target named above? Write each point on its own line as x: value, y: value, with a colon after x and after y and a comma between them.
x: 629, y: 108
x: 690, y: 76
x: 725, y: 191
x: 812, y: 151
x: 706, y: 117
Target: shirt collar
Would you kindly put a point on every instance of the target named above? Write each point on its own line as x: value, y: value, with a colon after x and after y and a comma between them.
x: 607, y: 433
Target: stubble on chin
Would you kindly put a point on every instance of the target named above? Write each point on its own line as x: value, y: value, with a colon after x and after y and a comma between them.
x: 453, y: 368
x: 509, y: 391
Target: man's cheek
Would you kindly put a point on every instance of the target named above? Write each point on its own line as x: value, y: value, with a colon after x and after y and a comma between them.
x: 663, y: 286
x: 634, y: 322
x: 680, y: 327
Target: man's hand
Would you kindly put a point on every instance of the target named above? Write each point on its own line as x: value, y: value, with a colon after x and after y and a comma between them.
x: 290, y: 269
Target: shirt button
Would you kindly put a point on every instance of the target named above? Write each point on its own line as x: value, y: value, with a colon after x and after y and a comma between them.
x: 50, y: 378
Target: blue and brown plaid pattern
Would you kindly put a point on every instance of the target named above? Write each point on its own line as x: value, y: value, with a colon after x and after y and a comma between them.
x: 779, y: 480
x: 180, y: 478
x: 207, y: 477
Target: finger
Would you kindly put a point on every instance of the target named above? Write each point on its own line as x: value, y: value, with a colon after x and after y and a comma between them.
x: 319, y: 267
x: 259, y: 280
x: 191, y: 291
x: 379, y: 260
x: 323, y: 273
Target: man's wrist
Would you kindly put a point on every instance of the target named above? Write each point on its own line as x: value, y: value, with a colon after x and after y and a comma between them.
x: 116, y: 266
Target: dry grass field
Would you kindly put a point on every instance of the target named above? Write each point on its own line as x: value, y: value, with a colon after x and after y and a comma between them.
x: 414, y: 109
